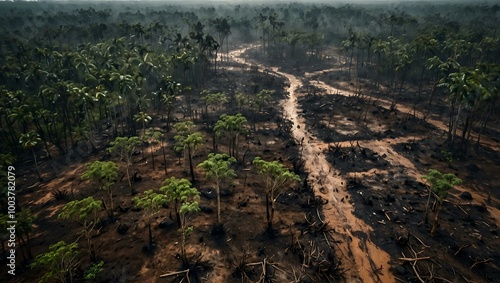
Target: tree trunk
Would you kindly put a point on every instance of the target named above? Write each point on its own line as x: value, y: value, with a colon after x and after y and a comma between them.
x: 152, y: 158
x: 183, y: 243
x: 128, y: 179
x: 150, y: 233
x: 270, y: 223
x: 434, y: 87
x: 484, y: 124
x: 90, y: 246
x: 402, y: 81
x: 36, y: 165
x: 427, y: 207
x: 218, y: 203
x: 215, y: 61
x: 268, y: 216
x: 236, y: 152
x: 111, y: 207
x: 350, y: 63
x: 164, y: 156
x: 213, y: 141
x: 450, y: 121
x: 467, y: 128
x: 191, y: 169
x: 177, y: 215
x: 436, y: 219
x: 455, y: 124
x: 142, y: 140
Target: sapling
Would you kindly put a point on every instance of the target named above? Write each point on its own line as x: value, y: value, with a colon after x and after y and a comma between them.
x: 275, y: 177
x: 187, y: 207
x: 231, y: 126
x: 440, y: 184
x: 59, y: 262
x: 91, y: 273
x: 186, y: 139
x: 217, y: 168
x: 125, y: 147
x: 106, y: 174
x: 184, y: 197
x: 85, y: 212
x: 151, y: 202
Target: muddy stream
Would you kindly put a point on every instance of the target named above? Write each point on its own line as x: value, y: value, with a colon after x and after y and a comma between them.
x: 362, y: 260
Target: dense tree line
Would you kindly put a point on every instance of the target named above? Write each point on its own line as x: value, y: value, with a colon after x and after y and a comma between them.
x: 67, y: 73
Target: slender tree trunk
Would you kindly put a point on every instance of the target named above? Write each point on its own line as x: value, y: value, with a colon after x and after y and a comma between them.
x: 350, y: 63
x: 90, y: 246
x: 177, y: 215
x: 218, y: 203
x: 402, y: 81
x: 427, y: 206
x: 142, y: 140
x: 455, y: 124
x: 36, y: 165
x: 466, y: 129
x: 270, y: 224
x: 421, y: 82
x: 450, y: 121
x: 484, y: 124
x: 268, y: 214
x: 183, y: 242
x: 236, y: 152
x: 150, y: 233
x: 191, y: 169
x: 128, y: 178
x: 436, y: 219
x: 434, y: 87
x: 213, y: 141
x: 152, y: 158
x: 215, y: 61
x: 164, y: 156
x: 111, y: 207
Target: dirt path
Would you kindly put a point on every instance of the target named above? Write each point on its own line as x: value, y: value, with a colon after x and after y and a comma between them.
x: 361, y: 258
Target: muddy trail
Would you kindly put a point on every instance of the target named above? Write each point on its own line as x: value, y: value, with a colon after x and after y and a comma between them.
x: 362, y: 260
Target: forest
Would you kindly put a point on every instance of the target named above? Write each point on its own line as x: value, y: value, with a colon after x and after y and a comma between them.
x: 265, y: 142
